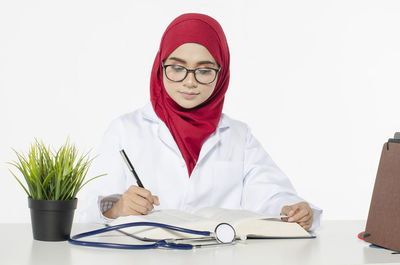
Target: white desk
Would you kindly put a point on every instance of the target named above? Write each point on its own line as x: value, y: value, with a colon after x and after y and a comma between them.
x: 336, y: 243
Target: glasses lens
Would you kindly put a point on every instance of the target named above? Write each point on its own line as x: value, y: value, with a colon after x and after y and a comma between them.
x: 205, y: 75
x: 175, y: 72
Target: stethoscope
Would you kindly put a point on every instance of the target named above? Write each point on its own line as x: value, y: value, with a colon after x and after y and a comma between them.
x: 223, y: 234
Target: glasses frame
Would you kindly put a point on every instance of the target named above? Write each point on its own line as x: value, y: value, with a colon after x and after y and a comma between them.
x: 190, y: 71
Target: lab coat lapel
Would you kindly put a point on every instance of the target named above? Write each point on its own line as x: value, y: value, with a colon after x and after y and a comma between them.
x: 213, y: 139
x: 162, y: 130
x: 166, y: 137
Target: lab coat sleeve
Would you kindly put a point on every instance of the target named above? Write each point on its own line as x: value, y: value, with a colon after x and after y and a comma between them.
x: 266, y: 188
x: 101, y: 193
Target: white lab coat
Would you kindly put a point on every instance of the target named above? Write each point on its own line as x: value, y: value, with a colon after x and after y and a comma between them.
x: 233, y: 170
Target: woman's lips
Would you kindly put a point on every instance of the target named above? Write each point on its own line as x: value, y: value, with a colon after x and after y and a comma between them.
x: 188, y: 95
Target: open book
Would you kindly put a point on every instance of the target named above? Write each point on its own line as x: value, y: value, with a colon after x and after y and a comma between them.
x: 246, y: 224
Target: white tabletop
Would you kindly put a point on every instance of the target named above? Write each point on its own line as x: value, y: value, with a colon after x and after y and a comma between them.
x: 336, y: 243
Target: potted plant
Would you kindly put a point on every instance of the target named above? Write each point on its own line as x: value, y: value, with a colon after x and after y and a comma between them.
x: 53, y: 179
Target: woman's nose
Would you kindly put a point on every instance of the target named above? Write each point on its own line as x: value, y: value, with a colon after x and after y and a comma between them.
x: 190, y: 81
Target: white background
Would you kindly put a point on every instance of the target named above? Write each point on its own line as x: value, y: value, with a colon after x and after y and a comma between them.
x: 317, y: 81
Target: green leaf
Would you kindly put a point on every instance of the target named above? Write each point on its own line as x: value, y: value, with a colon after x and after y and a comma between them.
x: 52, y: 175
x: 27, y: 192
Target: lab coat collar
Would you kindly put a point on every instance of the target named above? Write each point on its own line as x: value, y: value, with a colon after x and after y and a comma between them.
x: 149, y: 114
x: 166, y: 137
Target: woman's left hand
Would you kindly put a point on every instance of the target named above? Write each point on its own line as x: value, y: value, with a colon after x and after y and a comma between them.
x: 300, y: 213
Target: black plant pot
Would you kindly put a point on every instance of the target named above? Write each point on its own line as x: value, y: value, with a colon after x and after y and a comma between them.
x: 52, y: 220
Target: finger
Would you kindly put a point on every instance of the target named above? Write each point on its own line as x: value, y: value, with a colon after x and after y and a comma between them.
x: 137, y: 199
x: 307, y: 218
x: 156, y: 200
x: 142, y: 192
x: 289, y: 211
x: 286, y: 209
x: 299, y: 215
x: 137, y: 204
x: 305, y: 225
x: 138, y: 208
x: 285, y: 219
x: 126, y: 208
x: 310, y: 214
x: 129, y: 201
x: 130, y: 210
x: 135, y: 191
x: 294, y: 209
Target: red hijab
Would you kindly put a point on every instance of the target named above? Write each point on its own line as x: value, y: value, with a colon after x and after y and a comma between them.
x: 191, y: 127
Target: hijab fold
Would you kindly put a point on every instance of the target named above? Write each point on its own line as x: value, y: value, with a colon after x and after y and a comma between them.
x: 191, y: 127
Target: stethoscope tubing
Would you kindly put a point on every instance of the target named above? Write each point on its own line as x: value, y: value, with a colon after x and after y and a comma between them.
x: 160, y: 243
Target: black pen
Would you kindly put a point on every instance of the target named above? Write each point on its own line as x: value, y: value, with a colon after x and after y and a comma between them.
x: 128, y: 163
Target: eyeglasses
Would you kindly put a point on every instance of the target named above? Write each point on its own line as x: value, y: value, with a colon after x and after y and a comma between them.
x: 203, y: 75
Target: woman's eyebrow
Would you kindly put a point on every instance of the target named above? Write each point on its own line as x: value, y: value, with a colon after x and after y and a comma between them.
x: 183, y: 61
x: 177, y: 59
x: 205, y: 62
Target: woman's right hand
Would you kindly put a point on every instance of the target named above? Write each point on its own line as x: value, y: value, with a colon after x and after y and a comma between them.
x: 134, y: 201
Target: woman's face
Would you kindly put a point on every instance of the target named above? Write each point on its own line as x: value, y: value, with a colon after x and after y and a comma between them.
x: 189, y: 93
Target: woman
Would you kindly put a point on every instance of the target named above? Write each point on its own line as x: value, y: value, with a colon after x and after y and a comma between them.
x: 187, y: 153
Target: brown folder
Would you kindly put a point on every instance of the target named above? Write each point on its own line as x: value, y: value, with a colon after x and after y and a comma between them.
x: 383, y: 224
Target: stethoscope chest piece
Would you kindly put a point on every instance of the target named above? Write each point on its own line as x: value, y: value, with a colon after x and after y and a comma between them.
x: 225, y: 233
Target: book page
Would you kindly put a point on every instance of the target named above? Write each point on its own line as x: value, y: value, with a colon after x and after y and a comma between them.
x: 270, y: 228
x: 252, y: 224
x: 231, y: 216
x: 246, y: 223
x: 170, y: 217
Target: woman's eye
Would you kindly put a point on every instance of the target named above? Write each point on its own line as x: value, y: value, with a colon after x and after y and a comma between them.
x: 204, y: 71
x: 177, y: 68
